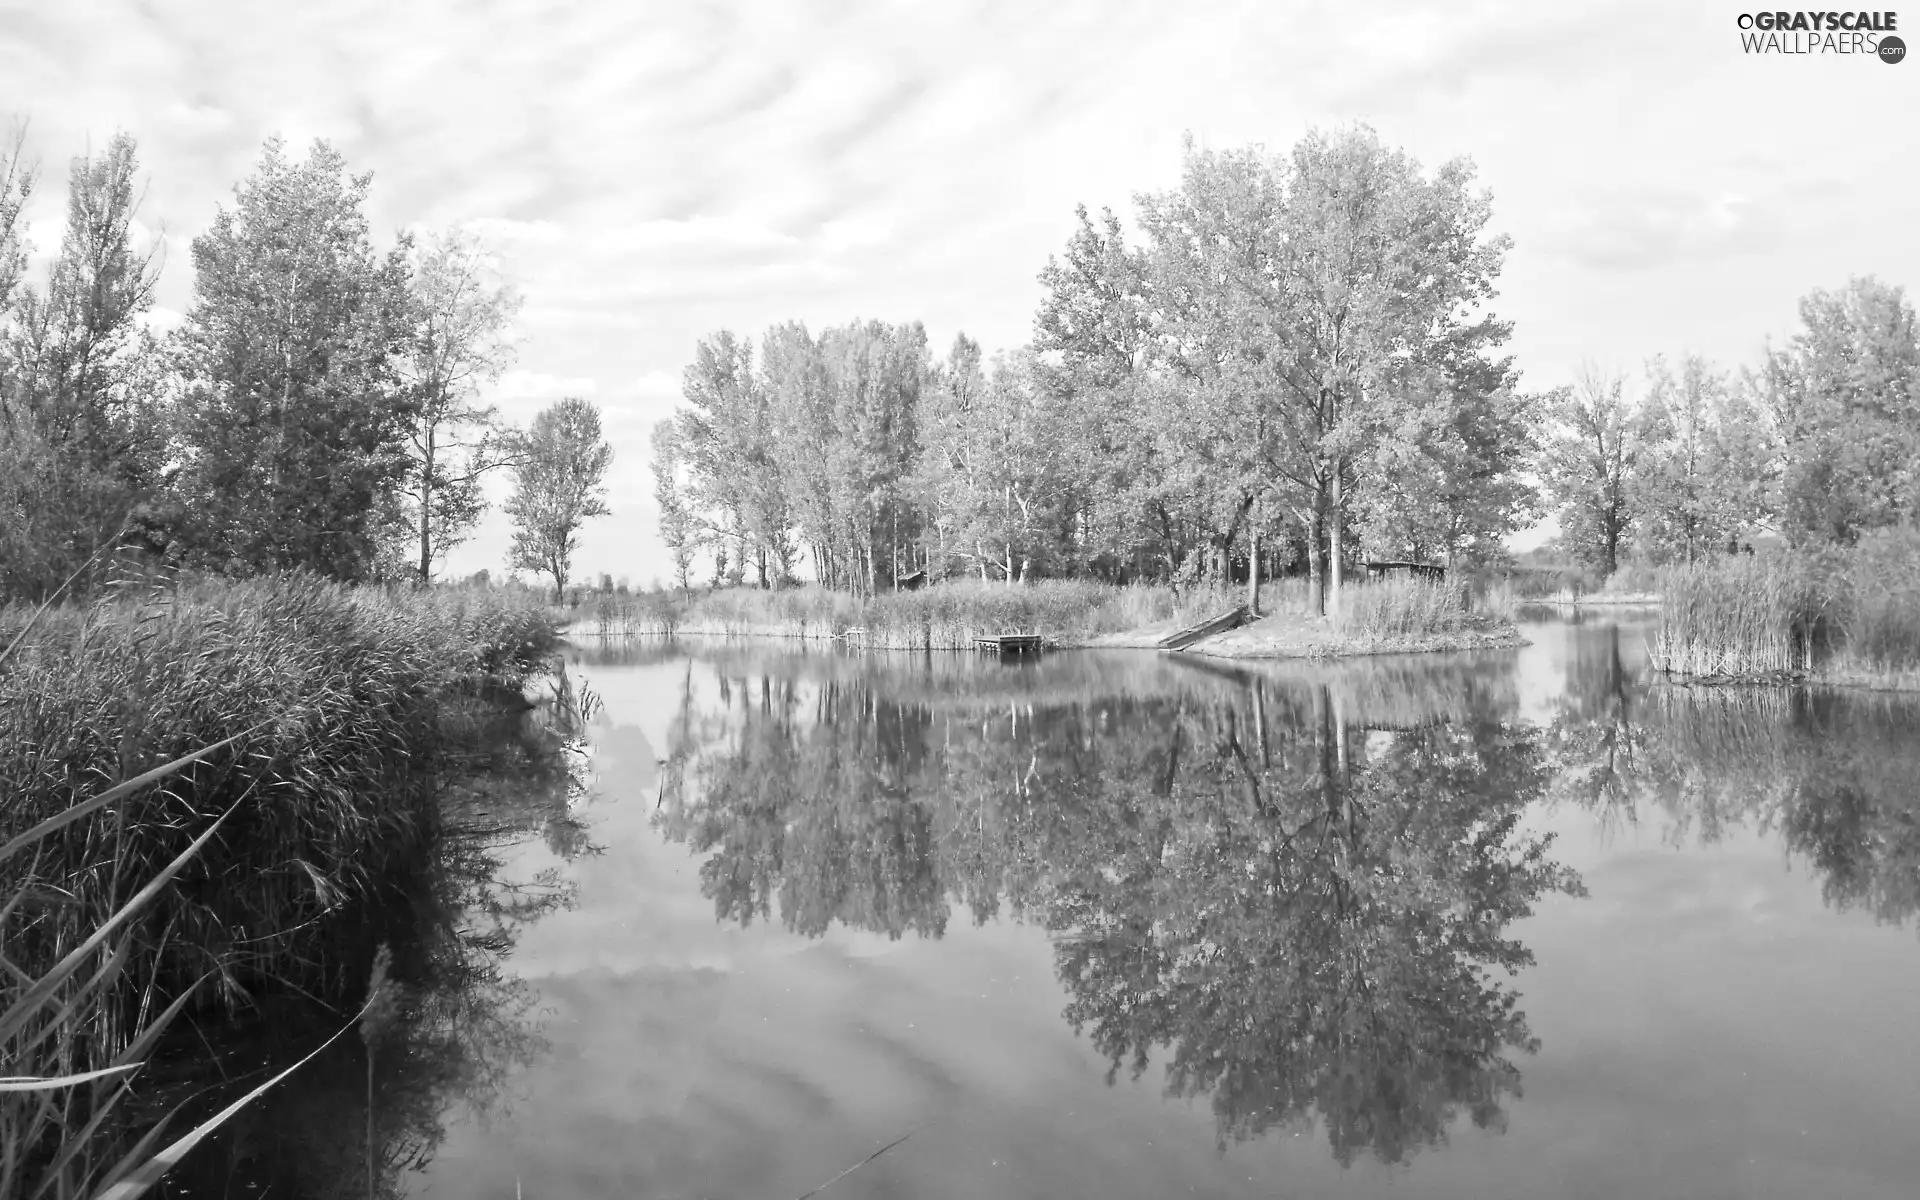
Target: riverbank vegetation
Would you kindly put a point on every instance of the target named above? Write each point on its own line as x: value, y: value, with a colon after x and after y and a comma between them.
x: 1842, y: 616
x: 207, y: 784
x: 1372, y: 617
x: 1216, y: 396
x: 944, y: 616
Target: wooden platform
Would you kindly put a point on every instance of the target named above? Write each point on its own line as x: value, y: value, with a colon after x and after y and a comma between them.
x: 1406, y: 570
x: 1009, y: 643
x: 1181, y: 639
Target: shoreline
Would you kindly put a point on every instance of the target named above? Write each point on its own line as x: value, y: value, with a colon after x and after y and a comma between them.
x: 1905, y: 683
x: 1597, y: 600
x: 1292, y: 640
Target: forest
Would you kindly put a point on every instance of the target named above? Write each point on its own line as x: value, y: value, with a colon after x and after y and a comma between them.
x: 1293, y: 361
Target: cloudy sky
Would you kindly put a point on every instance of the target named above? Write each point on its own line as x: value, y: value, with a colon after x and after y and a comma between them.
x: 654, y: 172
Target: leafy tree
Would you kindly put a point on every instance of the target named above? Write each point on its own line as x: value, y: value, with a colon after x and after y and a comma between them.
x: 1845, y: 395
x: 1391, y: 273
x: 81, y: 415
x: 16, y: 188
x: 677, y: 528
x: 462, y: 316
x: 1091, y: 337
x: 558, y: 471
x: 296, y: 419
x: 1217, y: 285
x: 1592, y: 451
x: 725, y: 434
x: 1702, y: 463
x: 990, y: 472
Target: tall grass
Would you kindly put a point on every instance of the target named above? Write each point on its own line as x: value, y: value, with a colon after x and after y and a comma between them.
x: 1845, y: 616
x: 199, y: 780
x: 1410, y: 609
x: 944, y: 616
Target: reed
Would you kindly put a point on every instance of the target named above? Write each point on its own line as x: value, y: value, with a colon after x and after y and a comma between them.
x: 199, y: 779
x: 1849, y: 616
x: 1405, y: 609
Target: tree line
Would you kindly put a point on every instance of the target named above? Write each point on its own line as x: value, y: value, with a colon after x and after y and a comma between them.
x: 1291, y: 365
x: 1819, y: 443
x: 318, y: 409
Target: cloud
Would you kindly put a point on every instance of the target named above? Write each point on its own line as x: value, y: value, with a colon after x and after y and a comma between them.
x: 649, y: 174
x: 1639, y: 230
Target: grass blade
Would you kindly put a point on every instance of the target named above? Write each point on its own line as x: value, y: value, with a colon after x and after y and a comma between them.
x: 25, y: 1083
x: 14, y: 1018
x: 148, y: 1173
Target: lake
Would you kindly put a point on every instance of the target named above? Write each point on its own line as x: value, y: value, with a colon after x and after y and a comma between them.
x: 1516, y: 923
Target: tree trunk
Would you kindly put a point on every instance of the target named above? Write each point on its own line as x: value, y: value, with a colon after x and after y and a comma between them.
x: 1336, y: 539
x: 1253, y: 568
x: 426, y: 510
x: 1317, y: 552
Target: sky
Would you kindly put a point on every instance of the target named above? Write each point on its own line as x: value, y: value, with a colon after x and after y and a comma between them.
x: 652, y: 173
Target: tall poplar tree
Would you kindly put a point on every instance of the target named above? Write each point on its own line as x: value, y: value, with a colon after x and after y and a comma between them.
x: 296, y: 416
x: 81, y: 388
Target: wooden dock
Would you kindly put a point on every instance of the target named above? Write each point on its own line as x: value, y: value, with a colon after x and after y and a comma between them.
x: 1009, y: 643
x: 1181, y: 639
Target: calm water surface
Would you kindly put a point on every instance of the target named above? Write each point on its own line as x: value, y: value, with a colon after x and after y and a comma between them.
x: 1137, y: 925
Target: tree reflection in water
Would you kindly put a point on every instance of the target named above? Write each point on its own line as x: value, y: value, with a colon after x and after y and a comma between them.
x: 1837, y: 774
x: 1295, y: 887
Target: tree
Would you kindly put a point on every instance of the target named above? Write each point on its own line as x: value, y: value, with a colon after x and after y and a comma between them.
x: 1216, y: 286
x: 560, y: 463
x: 1702, y: 469
x: 462, y: 316
x: 990, y: 476
x: 1591, y: 453
x: 1845, y: 394
x: 16, y: 188
x: 295, y: 416
x: 677, y: 527
x: 1090, y: 338
x: 80, y: 403
x: 1390, y: 272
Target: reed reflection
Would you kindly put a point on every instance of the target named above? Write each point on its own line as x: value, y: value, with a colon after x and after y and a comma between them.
x: 1293, y: 889
x: 1837, y: 774
x: 465, y: 1023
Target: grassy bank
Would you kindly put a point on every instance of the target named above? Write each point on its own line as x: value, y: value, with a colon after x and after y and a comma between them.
x: 942, y: 617
x: 1371, y: 618
x: 1404, y: 616
x: 1847, y: 617
x: 326, y: 719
